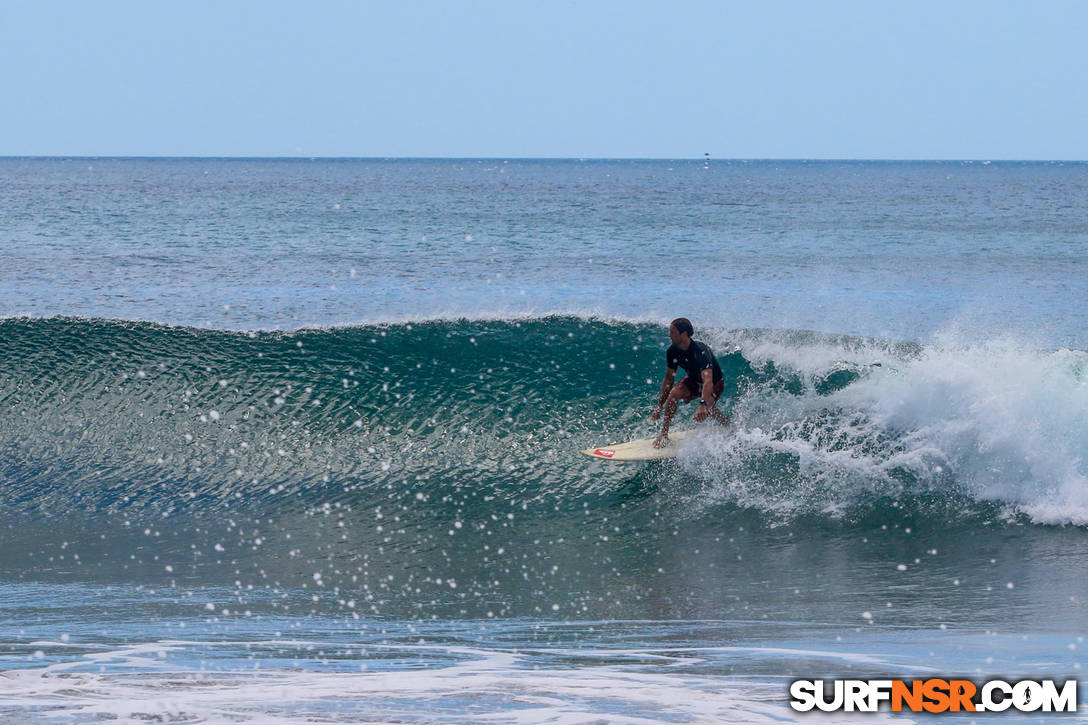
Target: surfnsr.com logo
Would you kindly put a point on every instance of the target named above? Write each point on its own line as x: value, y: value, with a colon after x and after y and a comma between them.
x: 933, y: 695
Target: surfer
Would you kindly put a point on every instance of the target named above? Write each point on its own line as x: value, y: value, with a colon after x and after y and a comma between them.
x: 704, y: 379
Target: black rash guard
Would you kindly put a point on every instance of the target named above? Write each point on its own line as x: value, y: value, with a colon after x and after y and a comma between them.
x: 697, y: 358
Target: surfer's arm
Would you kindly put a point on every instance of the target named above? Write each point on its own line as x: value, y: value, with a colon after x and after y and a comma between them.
x: 707, y: 407
x: 707, y: 396
x: 666, y: 388
x: 708, y: 388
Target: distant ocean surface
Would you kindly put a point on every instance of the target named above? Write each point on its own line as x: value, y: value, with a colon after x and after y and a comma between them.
x: 296, y: 440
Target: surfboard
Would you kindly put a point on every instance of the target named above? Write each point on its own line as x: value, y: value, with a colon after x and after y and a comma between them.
x: 642, y: 449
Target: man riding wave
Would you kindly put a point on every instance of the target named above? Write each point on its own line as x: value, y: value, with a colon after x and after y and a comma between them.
x: 703, y: 379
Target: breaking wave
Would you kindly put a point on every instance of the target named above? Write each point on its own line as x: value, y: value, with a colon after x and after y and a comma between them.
x: 104, y: 415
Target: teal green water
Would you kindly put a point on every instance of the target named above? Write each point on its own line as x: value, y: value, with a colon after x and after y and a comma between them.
x: 212, y: 512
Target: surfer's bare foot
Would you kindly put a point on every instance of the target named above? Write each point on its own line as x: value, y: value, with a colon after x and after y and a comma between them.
x: 661, y: 441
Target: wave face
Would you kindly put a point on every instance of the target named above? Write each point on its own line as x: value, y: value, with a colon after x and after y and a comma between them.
x: 123, y: 417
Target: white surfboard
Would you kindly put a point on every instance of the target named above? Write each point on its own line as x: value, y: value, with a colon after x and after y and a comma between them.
x: 642, y: 449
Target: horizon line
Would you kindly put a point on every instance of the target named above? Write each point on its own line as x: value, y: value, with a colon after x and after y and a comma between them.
x: 704, y: 158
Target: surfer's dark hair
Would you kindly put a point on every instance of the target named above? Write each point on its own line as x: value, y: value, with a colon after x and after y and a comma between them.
x: 683, y: 324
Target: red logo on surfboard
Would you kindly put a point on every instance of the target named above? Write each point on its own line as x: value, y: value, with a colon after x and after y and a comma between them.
x: 604, y: 453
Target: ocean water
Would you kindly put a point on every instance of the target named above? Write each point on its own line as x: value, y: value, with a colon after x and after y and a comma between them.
x: 296, y: 440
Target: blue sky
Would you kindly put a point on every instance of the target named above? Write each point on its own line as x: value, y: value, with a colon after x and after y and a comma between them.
x: 916, y: 80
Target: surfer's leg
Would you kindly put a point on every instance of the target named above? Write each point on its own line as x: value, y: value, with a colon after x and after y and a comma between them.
x: 679, y: 392
x: 715, y: 411
x: 670, y: 411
